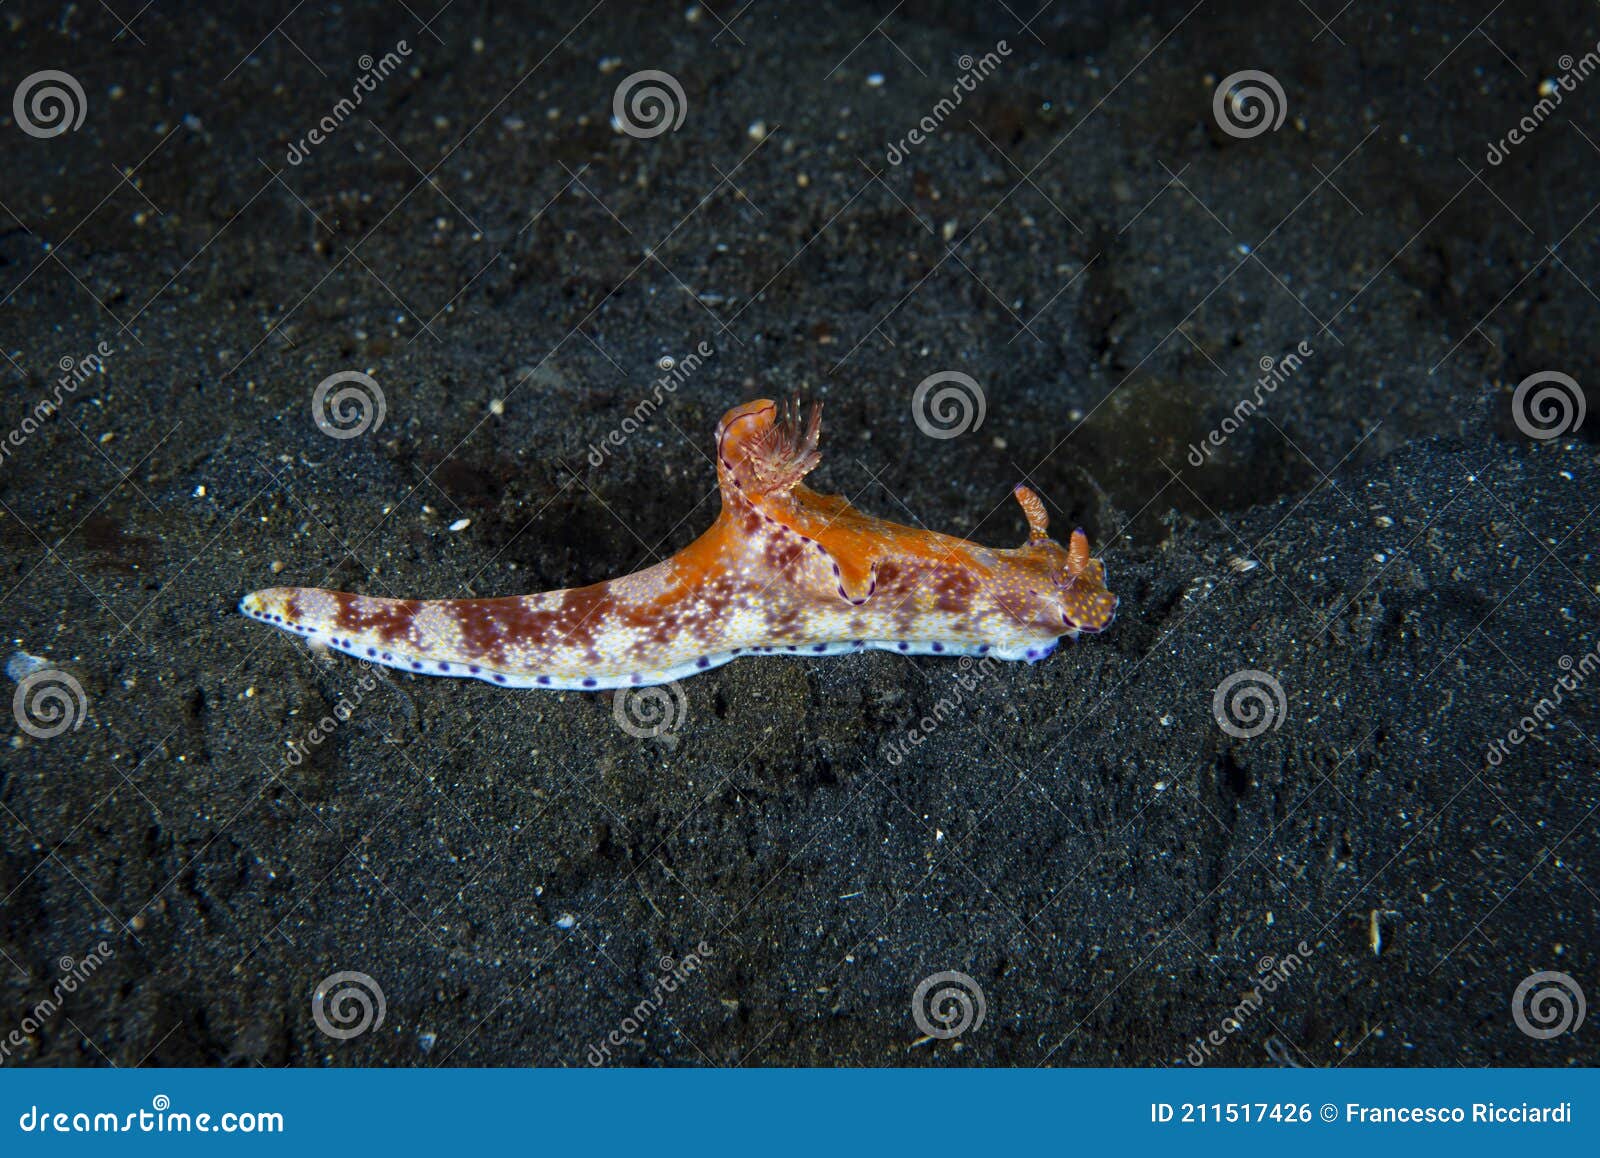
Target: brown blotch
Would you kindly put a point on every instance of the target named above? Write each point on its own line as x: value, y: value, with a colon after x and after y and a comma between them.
x: 388, y: 619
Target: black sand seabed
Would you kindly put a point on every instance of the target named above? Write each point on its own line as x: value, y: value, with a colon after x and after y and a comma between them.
x: 1083, y: 239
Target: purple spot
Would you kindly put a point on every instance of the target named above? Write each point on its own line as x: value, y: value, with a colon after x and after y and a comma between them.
x: 444, y: 667
x: 545, y: 680
x: 902, y: 646
x: 938, y: 646
x: 589, y: 683
x: 474, y: 669
x: 415, y: 666
x: 821, y: 647
x: 702, y: 662
x: 499, y: 679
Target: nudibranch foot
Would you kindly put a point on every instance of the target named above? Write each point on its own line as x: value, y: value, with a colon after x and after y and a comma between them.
x: 783, y: 571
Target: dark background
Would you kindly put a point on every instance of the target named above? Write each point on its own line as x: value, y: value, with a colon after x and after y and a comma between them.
x: 1085, y: 241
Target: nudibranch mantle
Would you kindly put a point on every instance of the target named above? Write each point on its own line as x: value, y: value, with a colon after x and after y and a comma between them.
x: 783, y: 570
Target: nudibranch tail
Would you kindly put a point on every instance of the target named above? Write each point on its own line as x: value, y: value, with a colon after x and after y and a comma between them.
x: 783, y: 570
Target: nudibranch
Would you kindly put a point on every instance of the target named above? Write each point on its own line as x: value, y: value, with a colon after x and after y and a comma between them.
x: 782, y: 570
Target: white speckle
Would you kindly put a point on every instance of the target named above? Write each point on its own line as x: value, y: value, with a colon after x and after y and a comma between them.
x: 566, y: 921
x: 497, y: 406
x: 200, y: 491
x: 757, y: 131
x: 874, y: 80
x: 1166, y: 720
x: 461, y: 524
x: 426, y: 1041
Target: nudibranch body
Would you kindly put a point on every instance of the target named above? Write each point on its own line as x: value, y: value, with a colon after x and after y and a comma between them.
x: 782, y: 570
